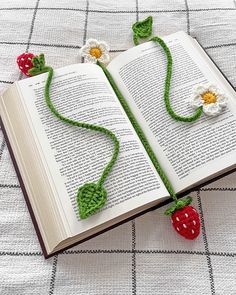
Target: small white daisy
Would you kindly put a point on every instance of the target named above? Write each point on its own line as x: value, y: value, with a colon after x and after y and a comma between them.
x: 209, y: 97
x: 94, y: 51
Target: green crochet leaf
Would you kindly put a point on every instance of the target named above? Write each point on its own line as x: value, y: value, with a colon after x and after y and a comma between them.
x: 90, y: 199
x: 178, y: 205
x: 38, y: 65
x: 34, y: 71
x: 143, y: 29
x: 41, y: 59
x: 35, y: 61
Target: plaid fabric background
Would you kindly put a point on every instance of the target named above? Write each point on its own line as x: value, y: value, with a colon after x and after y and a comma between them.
x: 144, y: 256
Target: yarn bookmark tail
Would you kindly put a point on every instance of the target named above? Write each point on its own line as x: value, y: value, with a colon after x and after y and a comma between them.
x: 185, y: 218
x: 91, y: 196
x: 143, y: 29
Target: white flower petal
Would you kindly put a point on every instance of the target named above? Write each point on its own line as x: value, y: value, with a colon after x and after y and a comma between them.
x: 104, y: 46
x: 105, y: 58
x: 92, y: 43
x: 212, y: 109
x: 84, y: 50
x: 85, y: 55
x: 90, y: 59
x: 196, y: 101
x: 222, y: 100
x: 199, y: 89
x: 213, y: 88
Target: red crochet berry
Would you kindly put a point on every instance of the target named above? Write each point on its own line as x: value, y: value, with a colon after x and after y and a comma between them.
x: 24, y: 62
x: 186, y: 222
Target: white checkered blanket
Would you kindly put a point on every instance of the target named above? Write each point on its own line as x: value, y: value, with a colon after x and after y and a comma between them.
x: 144, y: 256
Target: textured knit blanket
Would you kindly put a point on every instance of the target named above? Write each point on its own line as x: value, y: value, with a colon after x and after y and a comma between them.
x: 144, y: 256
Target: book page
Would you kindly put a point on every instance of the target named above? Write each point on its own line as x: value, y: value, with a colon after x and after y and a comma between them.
x: 75, y: 156
x: 188, y: 152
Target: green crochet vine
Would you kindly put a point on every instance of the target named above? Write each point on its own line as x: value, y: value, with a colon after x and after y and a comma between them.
x: 91, y: 196
x: 143, y: 29
x: 139, y: 132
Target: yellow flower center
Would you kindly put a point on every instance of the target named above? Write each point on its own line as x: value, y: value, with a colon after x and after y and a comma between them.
x: 209, y: 97
x: 96, y: 52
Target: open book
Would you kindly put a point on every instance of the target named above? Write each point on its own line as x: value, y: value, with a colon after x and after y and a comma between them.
x: 54, y: 159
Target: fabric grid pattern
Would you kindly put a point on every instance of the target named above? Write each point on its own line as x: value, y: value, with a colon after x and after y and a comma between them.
x: 144, y: 256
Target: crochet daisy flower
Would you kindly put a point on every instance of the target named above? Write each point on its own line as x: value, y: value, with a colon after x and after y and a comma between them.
x: 94, y: 51
x: 209, y: 97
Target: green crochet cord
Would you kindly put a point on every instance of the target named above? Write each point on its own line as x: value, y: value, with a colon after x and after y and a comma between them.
x: 91, y: 196
x: 143, y: 29
x: 140, y: 133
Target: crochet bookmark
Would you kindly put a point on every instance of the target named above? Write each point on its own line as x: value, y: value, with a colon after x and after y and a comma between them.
x: 184, y: 217
x: 91, y: 196
x: 143, y: 29
x: 206, y: 98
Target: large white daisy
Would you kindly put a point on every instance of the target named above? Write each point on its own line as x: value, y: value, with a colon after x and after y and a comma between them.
x: 94, y: 51
x: 209, y: 97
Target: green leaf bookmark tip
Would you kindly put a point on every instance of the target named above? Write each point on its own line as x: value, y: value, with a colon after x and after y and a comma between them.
x: 90, y: 199
x: 142, y: 29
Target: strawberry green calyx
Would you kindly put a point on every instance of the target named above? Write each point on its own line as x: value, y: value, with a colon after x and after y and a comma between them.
x: 179, y: 204
x: 39, y: 66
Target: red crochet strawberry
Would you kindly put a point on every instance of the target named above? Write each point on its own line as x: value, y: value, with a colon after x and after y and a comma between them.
x: 185, y: 219
x: 24, y: 62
